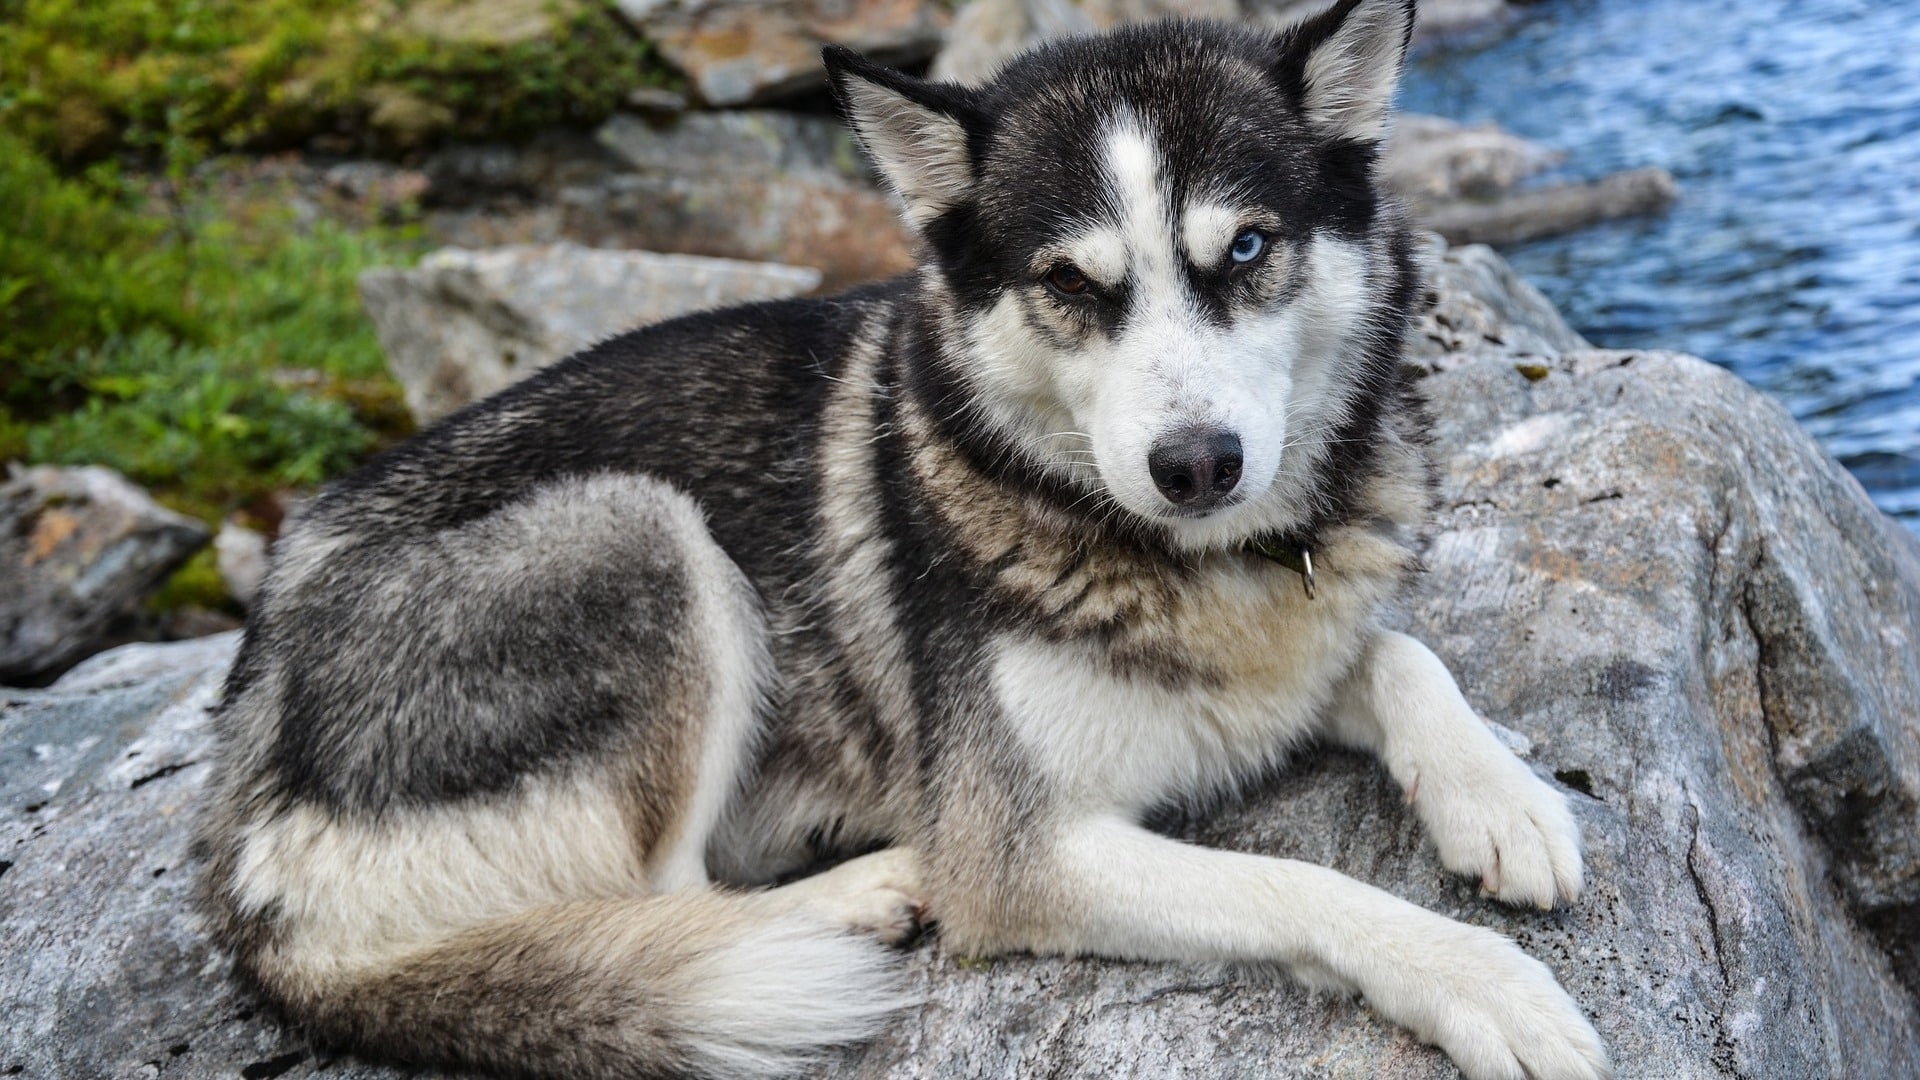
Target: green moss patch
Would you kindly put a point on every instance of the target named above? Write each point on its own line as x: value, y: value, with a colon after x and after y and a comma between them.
x: 209, y: 345
x: 83, y: 78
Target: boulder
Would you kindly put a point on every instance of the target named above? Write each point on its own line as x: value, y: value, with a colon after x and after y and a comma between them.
x: 79, y: 550
x: 987, y: 33
x: 1431, y: 158
x: 736, y: 52
x: 1653, y: 583
x: 1519, y: 216
x: 464, y: 324
x: 1466, y: 182
x: 1477, y: 306
x: 753, y: 184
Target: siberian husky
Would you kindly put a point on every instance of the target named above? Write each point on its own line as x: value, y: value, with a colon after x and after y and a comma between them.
x: 540, y: 715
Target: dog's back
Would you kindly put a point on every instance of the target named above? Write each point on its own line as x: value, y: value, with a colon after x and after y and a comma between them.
x: 495, y: 693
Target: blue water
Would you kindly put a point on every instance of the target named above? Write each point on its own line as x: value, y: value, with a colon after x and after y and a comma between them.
x: 1793, y: 255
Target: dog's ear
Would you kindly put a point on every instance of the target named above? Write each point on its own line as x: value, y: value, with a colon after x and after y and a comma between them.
x: 916, y: 131
x: 1344, y: 63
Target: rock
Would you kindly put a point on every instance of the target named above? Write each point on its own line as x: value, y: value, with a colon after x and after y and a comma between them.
x: 241, y: 554
x: 736, y: 52
x: 1462, y: 181
x: 987, y: 33
x: 1681, y: 609
x: 1430, y: 158
x: 471, y: 173
x: 381, y: 185
x: 1436, y: 19
x: 751, y: 184
x: 1561, y: 208
x: 763, y: 142
x: 464, y: 324
x: 79, y: 549
x: 107, y: 972
x: 1478, y: 306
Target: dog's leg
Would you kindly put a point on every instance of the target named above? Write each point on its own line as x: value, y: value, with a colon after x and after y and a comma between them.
x: 1490, y: 816
x: 1111, y: 888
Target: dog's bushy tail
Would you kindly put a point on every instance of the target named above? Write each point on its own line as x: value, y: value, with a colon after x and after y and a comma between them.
x: 699, y: 983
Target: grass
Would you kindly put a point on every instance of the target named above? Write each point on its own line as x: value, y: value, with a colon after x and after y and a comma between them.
x: 210, y: 346
x: 201, y: 335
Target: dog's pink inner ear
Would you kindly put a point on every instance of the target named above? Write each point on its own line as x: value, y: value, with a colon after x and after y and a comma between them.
x: 1350, y: 74
x: 920, y: 150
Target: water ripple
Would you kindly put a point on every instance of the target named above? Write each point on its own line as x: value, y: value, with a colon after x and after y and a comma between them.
x: 1793, y: 256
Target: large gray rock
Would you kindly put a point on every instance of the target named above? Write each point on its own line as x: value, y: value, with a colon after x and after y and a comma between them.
x: 79, y: 549
x: 464, y: 324
x: 1657, y: 585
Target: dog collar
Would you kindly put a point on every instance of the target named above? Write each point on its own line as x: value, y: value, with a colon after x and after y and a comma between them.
x: 1295, y: 557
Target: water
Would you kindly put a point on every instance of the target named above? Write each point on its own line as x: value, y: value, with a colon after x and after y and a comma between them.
x: 1793, y: 255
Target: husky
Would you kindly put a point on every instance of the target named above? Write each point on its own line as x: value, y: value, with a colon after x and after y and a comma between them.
x: 948, y: 583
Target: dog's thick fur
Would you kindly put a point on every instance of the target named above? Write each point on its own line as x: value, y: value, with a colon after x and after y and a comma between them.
x: 960, y: 571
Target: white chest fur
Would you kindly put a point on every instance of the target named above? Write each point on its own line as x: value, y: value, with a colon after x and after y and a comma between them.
x: 1114, y: 740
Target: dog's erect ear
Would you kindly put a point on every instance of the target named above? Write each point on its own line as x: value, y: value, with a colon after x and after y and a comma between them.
x: 915, y: 130
x: 1347, y: 60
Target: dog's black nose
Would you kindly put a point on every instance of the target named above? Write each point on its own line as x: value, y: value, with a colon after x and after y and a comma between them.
x: 1195, y: 468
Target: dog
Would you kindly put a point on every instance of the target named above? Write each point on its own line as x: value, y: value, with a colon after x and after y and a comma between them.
x: 541, y: 718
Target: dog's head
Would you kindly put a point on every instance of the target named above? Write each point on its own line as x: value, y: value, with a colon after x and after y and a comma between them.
x: 1162, y: 252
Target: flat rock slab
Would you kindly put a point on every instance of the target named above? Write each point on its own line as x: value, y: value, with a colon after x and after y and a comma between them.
x: 464, y: 324
x: 1529, y: 214
x: 79, y: 549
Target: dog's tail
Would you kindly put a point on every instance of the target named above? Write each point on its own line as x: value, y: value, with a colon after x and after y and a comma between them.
x: 698, y: 983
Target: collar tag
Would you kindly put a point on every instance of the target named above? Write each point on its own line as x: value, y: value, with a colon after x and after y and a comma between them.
x: 1297, y: 559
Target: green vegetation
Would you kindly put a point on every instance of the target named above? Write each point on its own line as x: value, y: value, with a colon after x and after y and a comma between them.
x: 208, y: 346
x: 81, y: 79
x: 170, y: 314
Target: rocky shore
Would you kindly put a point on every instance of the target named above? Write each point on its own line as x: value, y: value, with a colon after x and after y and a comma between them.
x: 1658, y: 589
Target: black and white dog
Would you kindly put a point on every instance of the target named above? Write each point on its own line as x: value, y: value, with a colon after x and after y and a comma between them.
x: 963, y: 574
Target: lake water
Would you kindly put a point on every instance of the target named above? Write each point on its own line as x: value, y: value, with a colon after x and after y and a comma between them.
x: 1793, y: 255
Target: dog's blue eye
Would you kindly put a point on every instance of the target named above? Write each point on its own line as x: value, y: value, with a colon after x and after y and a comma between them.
x: 1247, y: 246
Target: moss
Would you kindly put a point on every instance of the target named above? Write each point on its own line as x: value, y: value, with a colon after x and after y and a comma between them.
x: 211, y: 347
x: 197, y: 584
x: 82, y: 78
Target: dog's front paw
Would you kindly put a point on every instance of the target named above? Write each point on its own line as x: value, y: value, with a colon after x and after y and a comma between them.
x: 1494, y: 820
x: 1497, y: 1012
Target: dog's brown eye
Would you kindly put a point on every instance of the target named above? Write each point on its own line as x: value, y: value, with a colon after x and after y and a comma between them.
x: 1068, y: 279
